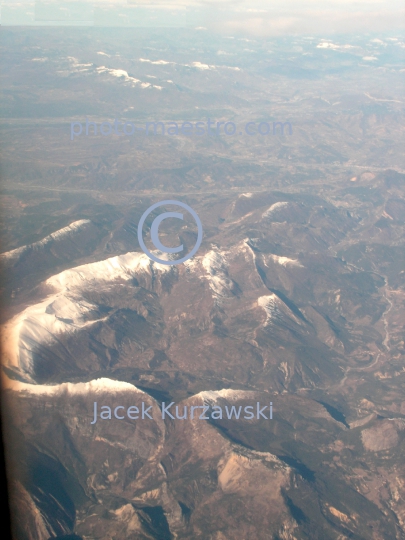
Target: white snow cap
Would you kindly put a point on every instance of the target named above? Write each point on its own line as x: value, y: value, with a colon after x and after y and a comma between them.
x: 225, y: 393
x: 95, y: 386
x: 66, y: 311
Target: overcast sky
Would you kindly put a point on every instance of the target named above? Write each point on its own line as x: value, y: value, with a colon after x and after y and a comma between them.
x: 315, y: 17
x: 252, y: 17
x: 275, y: 17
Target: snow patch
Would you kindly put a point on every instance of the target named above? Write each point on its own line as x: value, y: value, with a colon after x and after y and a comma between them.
x: 196, y: 65
x: 211, y: 396
x: 199, y: 65
x: 285, y: 261
x: 66, y: 311
x: 156, y: 62
x: 380, y: 99
x: 216, y: 268
x: 333, y: 46
x: 91, y: 275
x: 192, y: 264
x: 203, y: 67
x: 270, y: 305
x: 122, y: 74
x: 273, y: 208
x: 68, y: 231
x: 276, y: 310
x: 95, y: 386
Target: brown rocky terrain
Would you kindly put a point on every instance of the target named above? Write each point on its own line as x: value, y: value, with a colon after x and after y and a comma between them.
x: 296, y: 295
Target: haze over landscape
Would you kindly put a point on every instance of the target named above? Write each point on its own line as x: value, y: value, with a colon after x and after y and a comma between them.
x: 296, y: 295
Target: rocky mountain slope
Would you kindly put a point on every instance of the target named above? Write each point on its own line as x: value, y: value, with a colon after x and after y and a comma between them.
x: 292, y: 322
